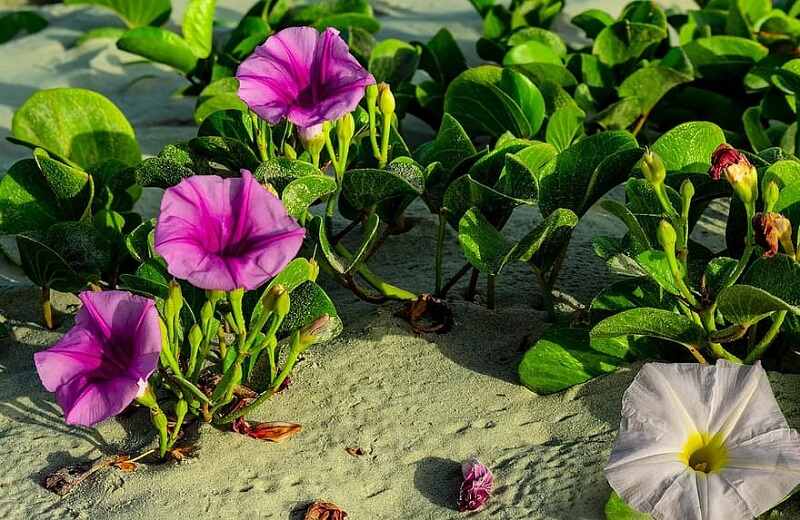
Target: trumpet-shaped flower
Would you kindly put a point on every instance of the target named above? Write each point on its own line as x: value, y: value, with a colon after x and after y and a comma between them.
x: 225, y: 234
x: 102, y: 364
x: 303, y: 75
x: 476, y: 486
x: 700, y: 442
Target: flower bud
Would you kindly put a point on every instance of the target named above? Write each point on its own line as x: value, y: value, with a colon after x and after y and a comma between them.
x: 313, y: 138
x: 742, y: 176
x: 345, y: 128
x: 311, y: 332
x: 372, y: 94
x: 771, y: 195
x: 653, y: 167
x: 174, y: 302
x: 206, y: 312
x: 666, y: 236
x: 181, y: 408
x: 687, y: 192
x: 476, y: 486
x: 272, y: 299
x: 386, y: 101
x: 147, y: 397
x: 772, y: 230
x: 195, y: 336
x: 289, y: 151
x: 313, y: 269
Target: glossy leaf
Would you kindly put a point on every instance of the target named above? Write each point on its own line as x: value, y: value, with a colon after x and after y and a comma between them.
x: 745, y: 304
x: 135, y: 13
x: 688, y: 147
x: 625, y: 41
x: 565, y: 357
x: 564, y: 126
x: 198, y: 26
x: 649, y: 84
x: 224, y: 150
x: 722, y: 57
x: 652, y: 322
x: 90, y: 129
x: 300, y: 193
x: 159, y: 45
x: 72, y: 187
x: 394, y: 61
x: 280, y: 171
x: 45, y: 267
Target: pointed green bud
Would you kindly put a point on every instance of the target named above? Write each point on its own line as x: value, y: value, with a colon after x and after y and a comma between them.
x: 181, y: 408
x: 667, y: 237
x: 771, y: 195
x: 206, y: 312
x: 653, y: 167
x: 195, y: 336
x: 687, y: 193
x: 289, y: 151
x: 174, y: 302
x: 313, y: 137
x: 270, y: 299
x: 147, y: 397
x: 345, y: 129
x: 372, y: 95
x: 386, y: 101
x: 313, y: 269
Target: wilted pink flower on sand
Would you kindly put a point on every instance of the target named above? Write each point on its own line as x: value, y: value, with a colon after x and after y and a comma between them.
x: 224, y: 234
x: 303, y: 75
x: 476, y: 486
x: 102, y: 364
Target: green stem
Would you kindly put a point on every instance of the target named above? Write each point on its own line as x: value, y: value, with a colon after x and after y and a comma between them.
x: 717, y: 349
x: 740, y: 267
x: 762, y: 346
x: 373, y: 131
x: 440, y: 235
x: 386, y: 289
x: 385, y: 132
x: 205, y: 345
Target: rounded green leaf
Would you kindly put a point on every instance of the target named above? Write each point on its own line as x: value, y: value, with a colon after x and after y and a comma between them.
x: 625, y: 41
x: 394, y: 61
x: 26, y: 200
x: 688, y: 147
x: 299, y: 194
x: 566, y: 357
x: 135, y: 13
x: 531, y: 52
x: 159, y: 45
x: 198, y: 26
x: 76, y: 124
x: 745, y: 304
x: 490, y: 100
x: 280, y: 171
x: 724, y: 57
x: 483, y: 245
x: 656, y: 323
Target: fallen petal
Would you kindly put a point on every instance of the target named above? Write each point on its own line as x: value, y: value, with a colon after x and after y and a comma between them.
x: 476, y: 487
x: 324, y: 511
x: 274, y: 431
x: 355, y: 451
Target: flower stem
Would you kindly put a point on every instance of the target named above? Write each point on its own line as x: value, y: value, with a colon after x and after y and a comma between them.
x: 440, y: 252
x: 373, y: 130
x: 385, y: 132
x: 762, y: 346
x: 386, y: 289
x: 716, y: 348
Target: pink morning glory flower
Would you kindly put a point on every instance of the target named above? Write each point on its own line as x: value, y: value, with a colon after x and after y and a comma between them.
x: 102, y: 364
x: 225, y: 234
x: 476, y: 486
x: 303, y: 75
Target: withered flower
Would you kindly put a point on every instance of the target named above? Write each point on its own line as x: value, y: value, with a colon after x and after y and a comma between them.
x: 275, y: 431
x: 476, y: 487
x: 729, y: 162
x: 771, y: 230
x: 320, y: 510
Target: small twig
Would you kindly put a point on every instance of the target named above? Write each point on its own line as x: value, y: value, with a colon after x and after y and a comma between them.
x: 454, y: 280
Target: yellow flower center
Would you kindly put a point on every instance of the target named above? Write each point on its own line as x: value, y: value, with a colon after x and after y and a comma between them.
x: 704, y: 452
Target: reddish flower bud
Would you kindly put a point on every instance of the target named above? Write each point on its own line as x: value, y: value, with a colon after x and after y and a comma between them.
x: 771, y: 230
x: 724, y: 157
x: 476, y: 487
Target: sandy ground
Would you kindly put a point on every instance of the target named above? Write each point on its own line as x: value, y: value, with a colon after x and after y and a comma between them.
x: 417, y: 405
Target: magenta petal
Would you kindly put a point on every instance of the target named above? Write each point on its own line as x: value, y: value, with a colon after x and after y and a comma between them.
x: 303, y: 75
x: 225, y: 234
x: 100, y: 366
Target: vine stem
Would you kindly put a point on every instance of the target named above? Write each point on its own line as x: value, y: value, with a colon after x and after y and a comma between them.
x: 762, y: 346
x: 47, y: 309
x: 440, y: 252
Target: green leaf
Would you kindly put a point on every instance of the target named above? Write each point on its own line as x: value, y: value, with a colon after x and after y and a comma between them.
x: 649, y: 84
x: 745, y: 304
x: 465, y: 193
x: 198, y: 26
x: 26, y: 201
x: 518, y: 182
x: 617, y: 509
x: 280, y: 171
x: 644, y: 11
x: 565, y: 125
x: 544, y: 243
x: 235, y: 124
x: 619, y: 115
x: 582, y: 173
x: 78, y: 125
x: 490, y: 100
x: 296, y: 273
x: 224, y: 150
x: 625, y: 41
x: 347, y: 21
x: 786, y: 174
x: 135, y: 13
x: 16, y: 22
x: 365, y: 188
x: 688, y: 147
x: 531, y: 51
x: 756, y: 135
x: 550, y: 39
x: 592, y: 21
x: 629, y: 294
x: 484, y: 247
x: 159, y: 45
x: 72, y: 187
x: 652, y: 322
x: 159, y: 172
x: 451, y: 145
x: 655, y: 264
x: 566, y: 357
x: 774, y: 275
x: 45, y: 267
x: 300, y: 193
x: 394, y: 61
x: 83, y: 246
x: 640, y: 240
x: 717, y: 273
x: 308, y: 303
x: 218, y: 96
x: 723, y: 57
x: 137, y: 242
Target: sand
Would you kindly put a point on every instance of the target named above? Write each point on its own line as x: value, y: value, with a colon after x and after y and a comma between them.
x: 416, y: 405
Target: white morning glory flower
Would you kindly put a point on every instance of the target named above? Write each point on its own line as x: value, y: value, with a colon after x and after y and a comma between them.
x: 700, y: 442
